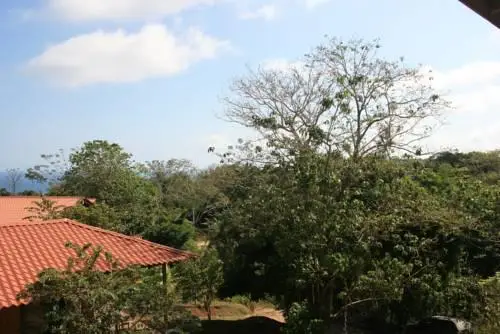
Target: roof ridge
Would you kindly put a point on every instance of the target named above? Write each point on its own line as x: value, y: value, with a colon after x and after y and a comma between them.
x: 94, y: 228
x: 37, y: 196
x: 25, y: 222
x: 122, y: 236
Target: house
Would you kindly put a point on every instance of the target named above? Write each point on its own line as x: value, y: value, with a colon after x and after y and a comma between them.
x: 27, y: 248
x: 487, y: 9
x: 15, y: 208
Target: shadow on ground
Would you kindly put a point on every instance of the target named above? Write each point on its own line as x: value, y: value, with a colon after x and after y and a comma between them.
x: 251, y: 325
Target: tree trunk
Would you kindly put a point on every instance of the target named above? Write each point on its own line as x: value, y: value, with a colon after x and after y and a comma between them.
x: 208, y: 309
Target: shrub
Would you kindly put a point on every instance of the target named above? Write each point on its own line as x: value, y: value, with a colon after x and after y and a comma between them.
x: 171, y: 232
x: 299, y: 320
x: 489, y: 321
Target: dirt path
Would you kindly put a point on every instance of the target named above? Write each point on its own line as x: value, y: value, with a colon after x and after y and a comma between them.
x: 228, y: 311
x: 268, y: 313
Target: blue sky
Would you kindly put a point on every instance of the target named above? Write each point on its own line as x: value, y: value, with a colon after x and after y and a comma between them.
x: 149, y: 74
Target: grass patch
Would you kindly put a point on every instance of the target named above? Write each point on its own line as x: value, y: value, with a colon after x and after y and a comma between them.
x: 252, y: 305
x: 221, y: 310
x: 238, y: 307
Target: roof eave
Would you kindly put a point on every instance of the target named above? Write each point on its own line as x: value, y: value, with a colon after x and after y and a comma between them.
x: 487, y: 9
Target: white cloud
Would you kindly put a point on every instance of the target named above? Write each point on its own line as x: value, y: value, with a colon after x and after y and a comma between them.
x: 469, y: 75
x: 473, y: 87
x: 118, y: 56
x: 266, y: 12
x: 91, y: 10
x: 311, y: 4
x: 474, y: 122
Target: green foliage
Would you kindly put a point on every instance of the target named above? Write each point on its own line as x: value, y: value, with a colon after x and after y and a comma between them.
x: 126, y: 202
x: 45, y: 209
x: 240, y: 299
x: 34, y: 174
x: 183, y: 187
x: 356, y: 236
x: 29, y: 193
x: 375, y: 240
x: 98, y: 168
x: 201, y: 278
x: 171, y: 230
x: 247, y: 301
x: 168, y: 229
x: 299, y: 320
x: 97, y: 214
x: 82, y: 299
x: 489, y: 319
x: 484, y: 166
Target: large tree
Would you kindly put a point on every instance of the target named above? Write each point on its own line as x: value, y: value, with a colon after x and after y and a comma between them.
x: 350, y: 236
x: 96, y: 168
x: 126, y: 201
x: 342, y: 97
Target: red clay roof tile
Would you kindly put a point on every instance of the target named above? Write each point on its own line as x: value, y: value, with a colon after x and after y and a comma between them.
x: 14, y: 208
x: 26, y: 248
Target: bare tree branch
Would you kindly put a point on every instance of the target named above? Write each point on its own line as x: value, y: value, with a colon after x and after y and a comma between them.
x: 343, y: 98
x: 14, y: 176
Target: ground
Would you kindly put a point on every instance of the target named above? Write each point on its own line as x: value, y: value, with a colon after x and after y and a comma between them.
x: 251, y: 325
x: 230, y: 317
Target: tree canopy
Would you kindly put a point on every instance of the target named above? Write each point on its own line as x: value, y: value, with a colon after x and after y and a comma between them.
x: 342, y: 97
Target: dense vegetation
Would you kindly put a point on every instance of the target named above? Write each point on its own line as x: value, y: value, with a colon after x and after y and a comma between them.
x: 338, y: 216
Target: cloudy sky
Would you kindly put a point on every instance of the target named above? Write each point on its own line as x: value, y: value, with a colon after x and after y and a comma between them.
x: 149, y: 74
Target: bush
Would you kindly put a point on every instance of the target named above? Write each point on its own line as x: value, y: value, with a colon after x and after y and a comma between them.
x: 98, y: 215
x: 171, y: 232
x: 240, y: 299
x: 299, y: 320
x: 489, y: 321
x: 245, y: 300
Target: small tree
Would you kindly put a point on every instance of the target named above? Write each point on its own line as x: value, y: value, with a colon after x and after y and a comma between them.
x: 45, y: 209
x: 201, y: 279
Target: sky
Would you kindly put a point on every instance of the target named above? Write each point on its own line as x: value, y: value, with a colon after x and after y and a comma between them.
x: 150, y: 74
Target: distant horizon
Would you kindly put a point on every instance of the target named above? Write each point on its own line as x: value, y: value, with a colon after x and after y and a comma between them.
x: 26, y: 184
x: 3, y: 169
x: 23, y: 185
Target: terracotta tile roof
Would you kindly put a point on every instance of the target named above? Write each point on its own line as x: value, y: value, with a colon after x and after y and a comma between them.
x: 27, y: 248
x: 14, y: 208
